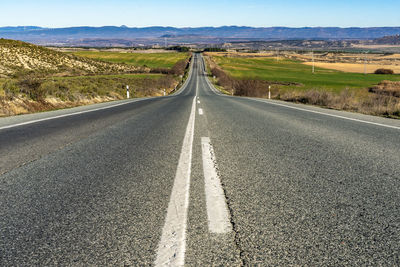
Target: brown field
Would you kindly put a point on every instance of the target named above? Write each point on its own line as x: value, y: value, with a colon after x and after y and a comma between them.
x: 379, y: 59
x: 354, y: 67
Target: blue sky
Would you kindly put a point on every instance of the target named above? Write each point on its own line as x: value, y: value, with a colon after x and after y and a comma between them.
x: 292, y: 13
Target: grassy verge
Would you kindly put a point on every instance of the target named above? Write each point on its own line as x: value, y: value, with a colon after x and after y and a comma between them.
x: 140, y: 85
x: 33, y: 95
x: 293, y: 81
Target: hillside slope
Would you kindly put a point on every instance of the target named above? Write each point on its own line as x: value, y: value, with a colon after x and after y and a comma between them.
x: 388, y: 40
x: 34, y: 78
x: 17, y: 57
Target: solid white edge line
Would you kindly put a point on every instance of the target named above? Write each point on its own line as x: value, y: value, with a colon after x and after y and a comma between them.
x: 201, y: 111
x: 172, y: 246
x: 70, y: 114
x: 217, y: 210
x: 326, y: 114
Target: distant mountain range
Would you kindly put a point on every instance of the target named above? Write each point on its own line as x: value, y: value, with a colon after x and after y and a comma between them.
x: 74, y: 35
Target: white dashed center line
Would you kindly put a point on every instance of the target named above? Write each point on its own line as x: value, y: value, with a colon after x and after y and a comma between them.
x: 217, y: 210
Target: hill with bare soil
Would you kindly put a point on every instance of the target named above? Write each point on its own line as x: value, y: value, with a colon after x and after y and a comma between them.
x: 18, y: 57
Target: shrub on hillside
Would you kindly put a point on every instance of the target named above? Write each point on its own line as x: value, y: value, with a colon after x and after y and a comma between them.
x: 11, y: 88
x: 384, y: 71
x: 31, y: 86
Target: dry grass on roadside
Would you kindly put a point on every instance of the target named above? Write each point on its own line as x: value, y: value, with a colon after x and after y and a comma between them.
x: 373, y: 104
x: 33, y: 95
x: 21, y: 105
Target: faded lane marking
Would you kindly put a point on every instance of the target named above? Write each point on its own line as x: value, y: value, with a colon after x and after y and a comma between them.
x: 217, y: 210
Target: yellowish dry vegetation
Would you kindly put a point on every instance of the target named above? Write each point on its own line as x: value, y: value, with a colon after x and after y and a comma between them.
x: 21, y: 105
x: 16, y: 57
x: 354, y: 67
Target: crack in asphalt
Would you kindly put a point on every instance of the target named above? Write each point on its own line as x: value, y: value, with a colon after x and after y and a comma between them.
x: 237, y: 240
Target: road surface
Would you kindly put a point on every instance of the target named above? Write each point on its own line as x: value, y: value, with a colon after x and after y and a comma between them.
x: 199, y: 178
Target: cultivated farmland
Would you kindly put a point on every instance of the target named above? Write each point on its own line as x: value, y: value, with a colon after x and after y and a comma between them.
x: 151, y: 60
x: 285, y: 70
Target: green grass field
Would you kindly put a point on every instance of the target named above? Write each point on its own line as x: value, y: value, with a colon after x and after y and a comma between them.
x: 151, y: 60
x: 291, y: 71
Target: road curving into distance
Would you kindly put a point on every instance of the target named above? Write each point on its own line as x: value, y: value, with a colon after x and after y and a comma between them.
x: 199, y: 178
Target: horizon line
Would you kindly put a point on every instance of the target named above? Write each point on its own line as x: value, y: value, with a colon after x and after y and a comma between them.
x: 196, y: 27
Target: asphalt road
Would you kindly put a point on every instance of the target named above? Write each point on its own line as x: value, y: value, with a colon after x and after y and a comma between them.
x: 202, y: 179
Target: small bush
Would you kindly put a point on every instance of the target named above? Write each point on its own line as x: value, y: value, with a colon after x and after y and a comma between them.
x: 32, y: 87
x: 384, y: 71
x: 315, y: 97
x: 254, y: 88
x: 11, y: 88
